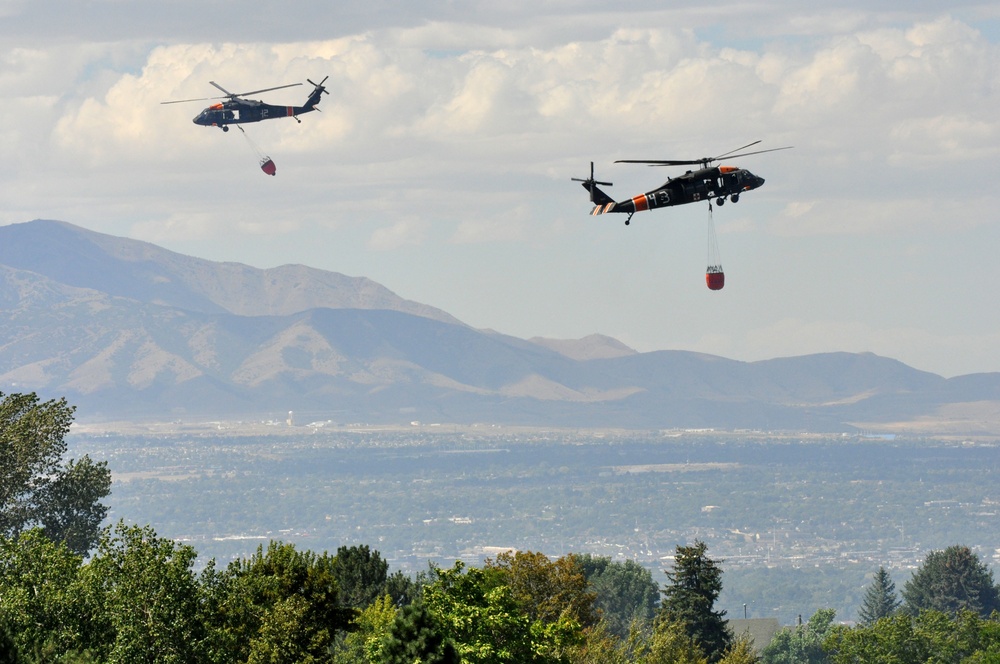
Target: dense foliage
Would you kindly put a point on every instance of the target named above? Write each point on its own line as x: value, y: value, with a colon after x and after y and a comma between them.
x: 138, y: 599
x: 880, y: 599
x: 951, y: 581
x: 36, y: 488
x: 689, y: 599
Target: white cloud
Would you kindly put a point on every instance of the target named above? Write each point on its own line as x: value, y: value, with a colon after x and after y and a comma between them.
x: 404, y: 232
x: 448, y: 133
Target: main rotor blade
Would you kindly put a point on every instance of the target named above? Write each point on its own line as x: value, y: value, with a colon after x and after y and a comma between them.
x: 746, y: 154
x: 663, y: 162
x: 705, y: 161
x: 726, y: 154
x: 222, y: 88
x: 182, y: 101
x: 253, y: 92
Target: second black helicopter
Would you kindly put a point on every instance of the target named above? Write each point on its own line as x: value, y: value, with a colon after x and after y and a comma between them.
x: 237, y: 110
x: 707, y: 183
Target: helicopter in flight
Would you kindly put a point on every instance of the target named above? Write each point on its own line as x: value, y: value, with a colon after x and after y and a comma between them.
x: 238, y: 110
x: 707, y: 183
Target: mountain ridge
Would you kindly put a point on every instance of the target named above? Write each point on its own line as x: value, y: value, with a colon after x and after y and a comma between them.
x: 127, y: 330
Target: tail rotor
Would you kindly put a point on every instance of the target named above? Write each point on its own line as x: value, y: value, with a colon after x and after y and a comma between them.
x: 590, y: 183
x: 318, y: 87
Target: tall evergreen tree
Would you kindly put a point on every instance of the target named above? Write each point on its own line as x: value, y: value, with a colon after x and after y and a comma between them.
x: 880, y: 599
x: 950, y: 581
x: 361, y: 575
x: 689, y: 599
x: 416, y: 637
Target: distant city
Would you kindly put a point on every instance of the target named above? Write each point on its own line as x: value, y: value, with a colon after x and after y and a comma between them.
x: 807, y: 516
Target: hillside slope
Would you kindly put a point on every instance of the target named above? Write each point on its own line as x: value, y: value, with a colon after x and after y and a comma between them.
x: 125, y: 329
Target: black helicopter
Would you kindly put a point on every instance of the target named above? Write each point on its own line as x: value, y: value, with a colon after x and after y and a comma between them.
x: 705, y: 184
x: 237, y: 110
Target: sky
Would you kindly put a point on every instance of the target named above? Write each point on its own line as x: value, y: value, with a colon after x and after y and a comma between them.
x: 440, y: 164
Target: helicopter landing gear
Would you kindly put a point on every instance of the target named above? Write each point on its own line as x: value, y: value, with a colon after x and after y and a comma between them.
x: 735, y: 198
x: 627, y: 221
x: 720, y: 201
x: 225, y: 128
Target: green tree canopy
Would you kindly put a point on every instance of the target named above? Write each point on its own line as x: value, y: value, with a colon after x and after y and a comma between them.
x: 479, y: 612
x: 803, y: 644
x: 951, y: 581
x: 931, y: 636
x: 880, y: 599
x: 547, y: 590
x: 280, y: 605
x: 40, y: 600
x: 689, y: 599
x: 36, y: 490
x: 625, y: 592
x: 740, y: 651
x: 361, y: 575
x: 143, y: 598
x: 416, y: 636
x: 671, y: 643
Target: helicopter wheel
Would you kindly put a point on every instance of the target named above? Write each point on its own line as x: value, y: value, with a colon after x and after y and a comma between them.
x: 720, y: 201
x: 735, y: 198
x: 225, y: 128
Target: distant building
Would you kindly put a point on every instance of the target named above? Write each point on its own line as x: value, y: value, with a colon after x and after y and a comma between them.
x: 291, y: 419
x: 761, y: 630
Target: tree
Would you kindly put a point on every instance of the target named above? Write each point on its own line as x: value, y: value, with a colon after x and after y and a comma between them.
x: 143, y: 598
x: 951, y: 581
x: 740, y: 651
x: 416, y: 636
x: 625, y: 592
x: 39, y: 594
x: 9, y: 653
x: 365, y: 643
x: 880, y: 599
x: 547, y: 590
x: 280, y: 605
x: 35, y: 489
x: 478, y: 611
x: 931, y: 636
x: 689, y: 599
x: 671, y: 643
x: 361, y: 575
x: 802, y: 644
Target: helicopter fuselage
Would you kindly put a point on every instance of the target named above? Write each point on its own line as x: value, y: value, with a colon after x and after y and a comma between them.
x: 245, y: 111
x: 706, y: 184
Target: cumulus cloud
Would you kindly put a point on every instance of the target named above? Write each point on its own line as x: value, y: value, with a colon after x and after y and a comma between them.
x: 445, y: 130
x: 402, y: 233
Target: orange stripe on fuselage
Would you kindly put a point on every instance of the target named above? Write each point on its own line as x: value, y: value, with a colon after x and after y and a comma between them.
x: 640, y: 203
x: 290, y: 110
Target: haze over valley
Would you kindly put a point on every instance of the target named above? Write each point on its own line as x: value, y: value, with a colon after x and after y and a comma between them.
x: 127, y: 330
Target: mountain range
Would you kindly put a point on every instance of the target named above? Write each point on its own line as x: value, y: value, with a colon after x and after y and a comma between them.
x: 128, y: 330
